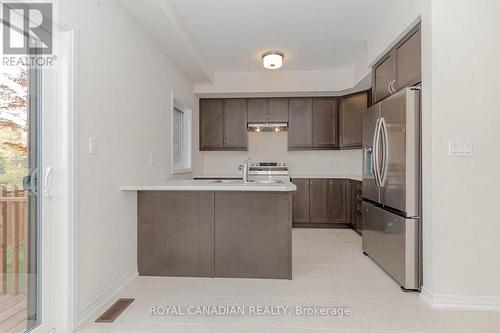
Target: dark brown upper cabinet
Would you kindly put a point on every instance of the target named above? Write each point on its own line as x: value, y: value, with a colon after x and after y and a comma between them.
x: 350, y: 120
x: 300, y: 201
x: 312, y: 123
x: 268, y: 110
x: 278, y: 110
x: 235, y: 123
x: 325, y: 115
x: 319, y: 208
x: 300, y: 123
x: 409, y: 60
x: 223, y: 124
x: 337, y: 199
x: 257, y: 110
x: 401, y: 67
x: 211, y: 124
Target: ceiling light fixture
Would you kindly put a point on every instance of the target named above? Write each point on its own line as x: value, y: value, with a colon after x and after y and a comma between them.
x: 272, y: 59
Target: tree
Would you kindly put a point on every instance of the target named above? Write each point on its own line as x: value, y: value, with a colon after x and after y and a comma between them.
x: 13, y: 125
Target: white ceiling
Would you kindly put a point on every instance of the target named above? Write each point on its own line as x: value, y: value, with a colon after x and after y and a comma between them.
x: 231, y: 35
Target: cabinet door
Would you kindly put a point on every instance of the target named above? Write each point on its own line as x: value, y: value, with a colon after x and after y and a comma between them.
x: 278, y: 110
x: 353, y: 203
x: 300, y: 201
x: 325, y: 115
x: 383, y: 74
x: 258, y: 110
x: 235, y: 123
x: 338, y: 200
x: 300, y: 128
x: 318, y: 201
x: 351, y: 120
x: 211, y: 124
x: 409, y: 60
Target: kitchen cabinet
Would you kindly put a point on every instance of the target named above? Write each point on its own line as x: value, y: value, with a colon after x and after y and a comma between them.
x: 235, y: 123
x: 409, y: 60
x: 319, y: 205
x: 211, y: 124
x: 384, y: 75
x: 325, y: 115
x: 268, y: 110
x: 313, y: 123
x: 223, y: 124
x: 257, y: 110
x: 337, y: 200
x: 401, y: 67
x: 300, y: 201
x: 317, y: 123
x: 320, y: 202
x: 300, y: 123
x: 351, y: 119
x: 354, y: 205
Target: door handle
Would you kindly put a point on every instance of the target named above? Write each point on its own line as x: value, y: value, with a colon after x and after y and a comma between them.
x: 385, y: 140
x: 376, y: 137
x: 47, y: 190
x: 34, y: 182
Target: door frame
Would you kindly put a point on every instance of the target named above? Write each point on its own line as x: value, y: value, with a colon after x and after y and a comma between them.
x: 60, y: 305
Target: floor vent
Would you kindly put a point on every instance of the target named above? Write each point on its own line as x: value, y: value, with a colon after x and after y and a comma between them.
x: 114, y: 310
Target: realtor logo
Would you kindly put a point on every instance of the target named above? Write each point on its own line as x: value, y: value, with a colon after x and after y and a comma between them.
x: 27, y: 28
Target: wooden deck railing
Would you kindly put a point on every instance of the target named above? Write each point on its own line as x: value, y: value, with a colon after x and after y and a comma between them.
x: 13, y: 251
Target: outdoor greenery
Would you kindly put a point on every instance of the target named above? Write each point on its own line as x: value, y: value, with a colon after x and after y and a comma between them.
x: 13, y: 126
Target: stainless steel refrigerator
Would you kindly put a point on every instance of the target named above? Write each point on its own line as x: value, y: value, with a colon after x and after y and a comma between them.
x: 391, y: 186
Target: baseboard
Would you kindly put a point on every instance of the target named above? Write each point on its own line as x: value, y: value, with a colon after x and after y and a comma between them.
x: 309, y: 225
x: 464, y: 303
x: 91, y: 310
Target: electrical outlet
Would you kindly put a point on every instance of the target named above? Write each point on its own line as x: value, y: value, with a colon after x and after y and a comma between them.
x: 460, y: 148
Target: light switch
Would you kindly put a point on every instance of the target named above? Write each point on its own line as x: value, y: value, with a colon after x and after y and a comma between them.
x: 92, y: 146
x: 460, y: 148
x: 151, y: 158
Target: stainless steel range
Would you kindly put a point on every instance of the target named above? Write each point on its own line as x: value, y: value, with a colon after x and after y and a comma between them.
x: 268, y: 172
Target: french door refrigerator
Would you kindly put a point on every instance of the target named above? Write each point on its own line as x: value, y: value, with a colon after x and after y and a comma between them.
x: 391, y: 186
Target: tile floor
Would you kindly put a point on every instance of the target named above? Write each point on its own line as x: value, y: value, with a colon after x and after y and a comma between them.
x: 329, y: 269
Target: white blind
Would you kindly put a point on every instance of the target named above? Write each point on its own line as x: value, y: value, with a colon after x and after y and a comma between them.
x: 179, y: 154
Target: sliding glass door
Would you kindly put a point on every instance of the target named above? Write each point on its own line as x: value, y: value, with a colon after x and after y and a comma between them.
x: 20, y: 200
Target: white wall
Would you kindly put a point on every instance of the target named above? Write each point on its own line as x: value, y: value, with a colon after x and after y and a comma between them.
x: 395, y: 21
x: 279, y: 81
x: 124, y: 100
x: 274, y: 147
x: 460, y: 88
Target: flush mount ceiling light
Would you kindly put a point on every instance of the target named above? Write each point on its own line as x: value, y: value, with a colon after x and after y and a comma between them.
x: 272, y: 59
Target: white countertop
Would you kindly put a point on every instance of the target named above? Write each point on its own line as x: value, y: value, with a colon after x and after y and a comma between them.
x: 353, y: 177
x: 209, y: 185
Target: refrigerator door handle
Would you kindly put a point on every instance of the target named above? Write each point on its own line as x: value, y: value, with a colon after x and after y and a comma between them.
x: 385, y: 161
x: 376, y: 138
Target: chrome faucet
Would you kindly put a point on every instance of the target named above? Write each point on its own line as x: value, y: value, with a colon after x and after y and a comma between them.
x: 244, y: 167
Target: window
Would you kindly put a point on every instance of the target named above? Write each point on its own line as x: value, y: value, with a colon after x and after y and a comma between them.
x: 181, y: 139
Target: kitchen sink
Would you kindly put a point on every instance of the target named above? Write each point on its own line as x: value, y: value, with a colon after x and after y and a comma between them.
x: 269, y: 181
x: 227, y: 181
x: 238, y: 181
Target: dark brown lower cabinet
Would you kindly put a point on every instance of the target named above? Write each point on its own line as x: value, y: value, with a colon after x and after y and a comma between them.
x: 321, y: 202
x: 300, y: 199
x: 354, y: 205
x: 337, y: 200
x: 215, y: 234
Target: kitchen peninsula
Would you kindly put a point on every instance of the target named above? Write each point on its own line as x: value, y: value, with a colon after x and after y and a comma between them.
x: 214, y: 228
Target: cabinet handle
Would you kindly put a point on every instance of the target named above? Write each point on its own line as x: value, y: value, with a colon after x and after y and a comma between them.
x: 389, y: 87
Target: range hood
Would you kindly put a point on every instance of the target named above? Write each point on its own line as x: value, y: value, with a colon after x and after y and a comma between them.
x: 267, y: 127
